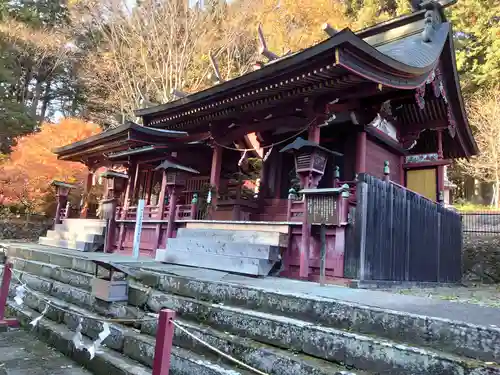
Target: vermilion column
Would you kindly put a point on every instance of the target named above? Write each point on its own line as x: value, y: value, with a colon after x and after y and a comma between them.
x: 440, y: 168
x: 361, y: 152
x: 215, y: 173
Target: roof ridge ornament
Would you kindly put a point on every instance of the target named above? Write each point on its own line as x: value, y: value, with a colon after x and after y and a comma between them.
x: 432, y: 19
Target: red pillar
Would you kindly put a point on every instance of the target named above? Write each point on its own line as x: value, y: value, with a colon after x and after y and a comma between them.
x: 440, y: 168
x: 161, y: 207
x: 361, y: 152
x: 163, y: 347
x: 314, y: 133
x: 215, y: 173
x: 4, y: 294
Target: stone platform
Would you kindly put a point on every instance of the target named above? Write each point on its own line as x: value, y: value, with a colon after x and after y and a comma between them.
x: 21, y: 354
x: 280, y: 326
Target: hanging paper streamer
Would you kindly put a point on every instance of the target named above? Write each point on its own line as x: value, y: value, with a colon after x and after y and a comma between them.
x: 242, y: 158
x: 94, y: 348
x: 267, y: 154
x: 20, y: 294
x: 77, y: 337
x: 35, y: 321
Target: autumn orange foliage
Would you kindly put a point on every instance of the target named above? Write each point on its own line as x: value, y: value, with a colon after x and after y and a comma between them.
x: 25, y: 177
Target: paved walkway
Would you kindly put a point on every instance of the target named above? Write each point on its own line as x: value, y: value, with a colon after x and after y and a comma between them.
x: 22, y: 354
x: 465, y: 312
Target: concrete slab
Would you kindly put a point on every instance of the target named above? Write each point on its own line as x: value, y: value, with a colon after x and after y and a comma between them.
x: 22, y: 354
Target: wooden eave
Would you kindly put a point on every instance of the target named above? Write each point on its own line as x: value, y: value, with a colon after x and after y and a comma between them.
x: 121, y: 138
x: 334, y: 66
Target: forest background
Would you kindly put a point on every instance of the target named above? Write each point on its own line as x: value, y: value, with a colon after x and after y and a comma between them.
x: 69, y: 69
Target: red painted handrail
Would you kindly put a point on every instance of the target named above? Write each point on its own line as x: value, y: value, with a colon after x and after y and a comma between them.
x: 4, y: 294
x: 164, y: 338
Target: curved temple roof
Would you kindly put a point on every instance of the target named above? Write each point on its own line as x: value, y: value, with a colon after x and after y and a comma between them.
x: 401, y: 54
x: 119, y: 139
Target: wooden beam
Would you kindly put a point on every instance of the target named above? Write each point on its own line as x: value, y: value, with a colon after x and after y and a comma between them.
x: 215, y: 67
x: 289, y: 121
x: 178, y: 94
x: 263, y: 46
x: 328, y: 29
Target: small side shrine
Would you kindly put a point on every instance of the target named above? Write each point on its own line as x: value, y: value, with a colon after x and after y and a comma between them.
x: 62, y: 193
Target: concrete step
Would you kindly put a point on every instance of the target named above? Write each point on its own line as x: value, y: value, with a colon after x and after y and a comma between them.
x: 68, y: 244
x: 140, y: 346
x: 76, y: 236
x: 260, y: 226
x: 83, y: 229
x: 245, y: 266
x: 242, y: 236
x: 453, y: 336
x: 352, y: 350
x: 216, y: 246
x: 135, y: 356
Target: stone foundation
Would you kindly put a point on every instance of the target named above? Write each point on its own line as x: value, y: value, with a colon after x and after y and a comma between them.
x: 481, y: 258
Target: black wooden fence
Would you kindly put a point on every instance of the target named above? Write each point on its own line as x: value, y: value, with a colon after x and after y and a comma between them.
x: 398, y: 235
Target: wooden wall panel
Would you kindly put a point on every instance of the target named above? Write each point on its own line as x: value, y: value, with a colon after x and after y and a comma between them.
x: 375, y: 157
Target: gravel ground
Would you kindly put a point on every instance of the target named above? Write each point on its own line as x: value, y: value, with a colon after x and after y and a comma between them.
x: 485, y: 295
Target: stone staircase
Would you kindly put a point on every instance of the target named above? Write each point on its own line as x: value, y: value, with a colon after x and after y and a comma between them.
x: 279, y: 333
x: 248, y: 252
x: 76, y: 234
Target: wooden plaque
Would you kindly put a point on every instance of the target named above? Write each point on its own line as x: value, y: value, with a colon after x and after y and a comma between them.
x: 322, y: 209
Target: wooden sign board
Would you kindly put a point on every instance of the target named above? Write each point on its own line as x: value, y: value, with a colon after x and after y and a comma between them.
x: 322, y: 209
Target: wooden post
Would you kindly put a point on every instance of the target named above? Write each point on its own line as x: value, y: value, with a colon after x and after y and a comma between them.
x: 336, y: 176
x: 292, y: 195
x: 387, y: 171
x: 161, y: 207
x: 84, y: 210
x: 304, y: 243
x: 164, y: 338
x: 172, y: 205
x: 361, y: 152
x: 440, y: 143
x: 361, y: 223
x: 322, y: 267
x: 194, y: 206
x: 215, y: 173
x: 4, y: 294
x: 314, y: 134
x: 129, y: 194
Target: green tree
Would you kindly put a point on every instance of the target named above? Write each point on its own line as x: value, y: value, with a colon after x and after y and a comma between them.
x: 476, y: 26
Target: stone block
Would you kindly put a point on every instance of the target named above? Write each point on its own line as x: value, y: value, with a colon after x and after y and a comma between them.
x: 249, y: 237
x: 246, y: 266
x: 224, y: 248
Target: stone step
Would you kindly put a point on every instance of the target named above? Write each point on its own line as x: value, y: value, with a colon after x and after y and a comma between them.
x: 352, y: 350
x: 134, y: 356
x: 465, y: 339
x: 76, y: 236
x: 68, y: 244
x: 243, y: 236
x: 261, y: 226
x: 216, y: 246
x: 184, y: 257
x: 130, y: 342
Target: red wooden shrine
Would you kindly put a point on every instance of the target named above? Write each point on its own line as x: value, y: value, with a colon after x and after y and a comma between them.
x: 384, y: 101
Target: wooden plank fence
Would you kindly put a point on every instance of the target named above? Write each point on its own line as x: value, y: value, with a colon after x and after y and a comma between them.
x: 398, y: 235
